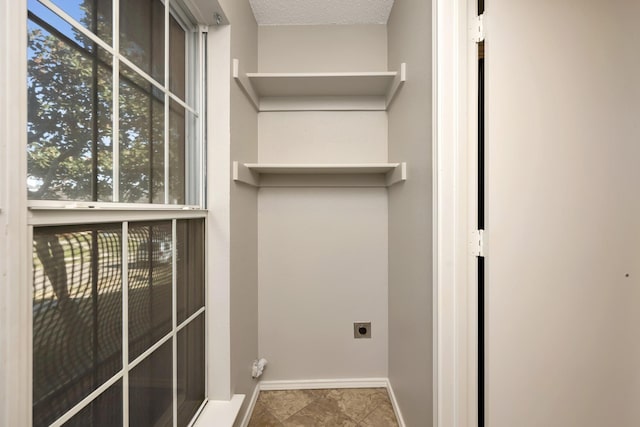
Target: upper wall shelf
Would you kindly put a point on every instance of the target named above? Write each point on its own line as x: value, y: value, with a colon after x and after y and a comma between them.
x: 320, y: 91
x: 320, y: 175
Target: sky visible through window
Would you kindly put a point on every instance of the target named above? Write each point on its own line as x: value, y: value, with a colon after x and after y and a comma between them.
x: 72, y: 7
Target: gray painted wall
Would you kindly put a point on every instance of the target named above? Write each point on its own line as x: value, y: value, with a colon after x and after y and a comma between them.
x: 410, y: 215
x: 322, y: 48
x: 244, y: 222
x: 322, y: 260
x: 322, y: 252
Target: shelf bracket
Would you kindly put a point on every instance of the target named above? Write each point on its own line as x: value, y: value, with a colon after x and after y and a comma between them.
x: 397, y: 83
x: 241, y: 173
x: 397, y: 175
x: 241, y: 78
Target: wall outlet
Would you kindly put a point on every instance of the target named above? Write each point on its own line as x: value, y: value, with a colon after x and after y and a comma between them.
x: 362, y: 330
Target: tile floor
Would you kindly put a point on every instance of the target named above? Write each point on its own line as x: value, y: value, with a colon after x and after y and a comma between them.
x: 358, y: 407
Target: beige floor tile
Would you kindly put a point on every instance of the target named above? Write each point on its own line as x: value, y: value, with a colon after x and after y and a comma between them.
x: 284, y: 403
x: 317, y: 393
x: 261, y: 417
x: 324, y: 408
x: 323, y: 412
x: 357, y: 403
x: 382, y: 416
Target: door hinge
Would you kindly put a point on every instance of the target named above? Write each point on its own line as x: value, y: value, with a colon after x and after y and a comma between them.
x: 477, y: 243
x: 478, y: 29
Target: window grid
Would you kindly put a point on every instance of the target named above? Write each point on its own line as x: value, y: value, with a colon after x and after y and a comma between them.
x: 128, y: 365
x: 115, y: 122
x: 167, y: 113
x: 118, y: 58
x: 115, y: 49
x: 125, y: 322
x: 174, y: 319
x: 47, y: 212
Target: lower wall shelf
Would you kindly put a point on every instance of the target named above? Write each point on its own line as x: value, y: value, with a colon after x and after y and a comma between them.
x: 320, y: 175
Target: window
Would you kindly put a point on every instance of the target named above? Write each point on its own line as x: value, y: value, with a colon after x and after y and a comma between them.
x: 97, y: 135
x: 115, y: 184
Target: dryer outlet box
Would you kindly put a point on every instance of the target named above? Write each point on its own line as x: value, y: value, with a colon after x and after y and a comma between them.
x: 362, y: 330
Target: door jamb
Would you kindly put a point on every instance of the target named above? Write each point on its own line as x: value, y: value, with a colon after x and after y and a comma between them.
x: 455, y: 175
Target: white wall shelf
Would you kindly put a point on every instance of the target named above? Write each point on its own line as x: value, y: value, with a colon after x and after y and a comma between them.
x: 320, y: 91
x: 320, y: 175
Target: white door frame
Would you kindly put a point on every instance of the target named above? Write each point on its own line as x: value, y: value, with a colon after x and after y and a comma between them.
x: 455, y: 276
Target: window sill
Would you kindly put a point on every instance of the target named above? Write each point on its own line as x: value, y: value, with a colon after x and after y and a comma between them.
x: 57, y: 204
x: 50, y: 214
x: 220, y: 413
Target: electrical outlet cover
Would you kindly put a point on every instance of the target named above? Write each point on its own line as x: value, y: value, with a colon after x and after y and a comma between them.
x: 362, y: 330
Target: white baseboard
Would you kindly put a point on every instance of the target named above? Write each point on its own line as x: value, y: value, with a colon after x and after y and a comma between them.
x: 251, y: 406
x: 394, y: 403
x: 324, y: 384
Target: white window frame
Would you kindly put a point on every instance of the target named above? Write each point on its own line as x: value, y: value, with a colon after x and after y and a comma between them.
x: 15, y: 295
x: 197, y: 100
x: 218, y: 155
x: 127, y: 365
x: 19, y: 216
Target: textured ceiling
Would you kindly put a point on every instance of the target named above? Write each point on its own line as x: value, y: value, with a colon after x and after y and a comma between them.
x: 321, y: 12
